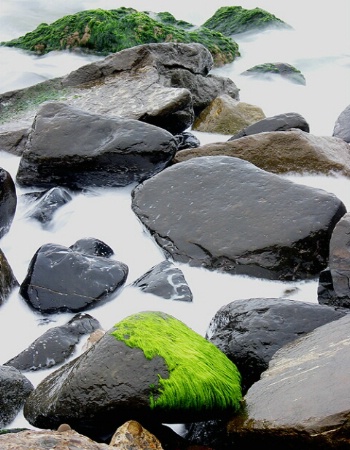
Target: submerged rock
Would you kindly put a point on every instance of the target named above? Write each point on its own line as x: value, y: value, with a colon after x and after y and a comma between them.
x: 226, y: 214
x: 285, y: 70
x: 48, y: 203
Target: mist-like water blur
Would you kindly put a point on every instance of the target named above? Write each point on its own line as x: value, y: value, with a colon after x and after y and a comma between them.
x: 318, y: 45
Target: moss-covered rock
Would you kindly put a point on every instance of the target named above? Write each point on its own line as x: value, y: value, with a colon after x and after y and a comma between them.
x: 230, y: 20
x: 285, y: 70
x: 109, y: 31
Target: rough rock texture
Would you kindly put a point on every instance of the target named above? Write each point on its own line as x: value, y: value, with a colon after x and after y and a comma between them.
x: 135, y: 83
x: 290, y: 151
x: 307, y: 390
x: 55, y: 345
x: 8, y: 201
x: 72, y: 148
x: 342, y: 127
x: 48, y: 203
x: 44, y: 440
x: 166, y: 281
x: 8, y: 281
x: 131, y: 436
x: 224, y: 213
x: 286, y: 71
x: 187, y: 140
x: 226, y: 115
x: 250, y: 331
x: 62, y: 279
x: 235, y: 19
x: 280, y: 122
x: 149, y: 367
x: 334, y: 286
x: 14, y: 389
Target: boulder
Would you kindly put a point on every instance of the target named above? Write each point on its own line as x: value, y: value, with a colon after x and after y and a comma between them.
x: 8, y: 281
x: 166, y: 281
x: 15, y: 388
x: 8, y: 201
x: 290, y: 151
x: 226, y: 214
x: 226, y: 115
x: 250, y: 331
x: 334, y: 288
x: 48, y: 203
x: 149, y: 367
x: 54, y: 346
x: 286, y: 71
x: 280, y: 122
x: 235, y: 19
x: 307, y: 393
x: 62, y: 279
x: 75, y: 149
x: 341, y: 128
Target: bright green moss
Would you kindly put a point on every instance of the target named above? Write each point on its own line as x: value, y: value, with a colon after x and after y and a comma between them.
x: 200, y: 375
x: 109, y: 31
x: 230, y: 20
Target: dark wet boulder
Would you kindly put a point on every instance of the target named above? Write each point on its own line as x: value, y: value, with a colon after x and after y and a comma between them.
x: 230, y: 20
x: 48, y: 203
x: 8, y: 201
x: 334, y: 286
x: 187, y: 140
x: 110, y: 31
x: 55, y: 346
x: 226, y: 214
x: 165, y: 280
x: 280, y: 122
x: 294, y: 151
x: 250, y: 331
x: 62, y: 279
x: 93, y: 247
x: 75, y: 149
x: 342, y: 125
x: 306, y: 388
x: 8, y: 280
x: 285, y: 70
x: 151, y: 367
x: 15, y: 388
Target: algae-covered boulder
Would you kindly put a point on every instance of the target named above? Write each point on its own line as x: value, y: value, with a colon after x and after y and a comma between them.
x: 285, y: 70
x: 109, y: 31
x: 235, y: 19
x: 149, y: 367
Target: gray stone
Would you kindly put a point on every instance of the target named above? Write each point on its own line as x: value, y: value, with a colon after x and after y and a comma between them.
x: 225, y: 213
x: 342, y: 125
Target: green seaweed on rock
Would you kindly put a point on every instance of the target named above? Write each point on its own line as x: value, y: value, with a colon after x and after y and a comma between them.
x: 200, y: 375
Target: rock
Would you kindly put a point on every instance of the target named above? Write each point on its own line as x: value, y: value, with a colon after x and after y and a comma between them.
x: 286, y: 71
x: 14, y: 141
x: 93, y: 247
x: 48, y: 203
x: 250, y: 331
x: 8, y: 201
x: 280, y: 122
x: 276, y: 152
x: 226, y: 115
x: 115, y: 151
x: 110, y: 31
x: 8, y: 281
x: 134, y: 83
x: 334, y: 286
x: 166, y: 281
x: 225, y: 214
x: 235, y: 19
x: 93, y: 338
x: 149, y: 367
x: 306, y: 389
x: 54, y: 346
x: 132, y: 436
x: 62, y: 279
x: 341, y: 128
x: 42, y: 440
x: 15, y: 388
x: 187, y: 140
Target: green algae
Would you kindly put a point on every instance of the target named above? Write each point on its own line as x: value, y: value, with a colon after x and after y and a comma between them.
x: 230, y: 20
x: 283, y: 69
x: 201, y: 377
x: 109, y: 31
